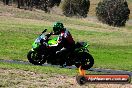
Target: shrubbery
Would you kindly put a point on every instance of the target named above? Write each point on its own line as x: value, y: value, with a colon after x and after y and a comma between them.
x: 113, y: 12
x: 75, y: 8
x: 46, y: 4
x: 39, y: 4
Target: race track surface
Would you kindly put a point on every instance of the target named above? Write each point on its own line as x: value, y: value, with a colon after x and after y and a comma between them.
x: 110, y: 71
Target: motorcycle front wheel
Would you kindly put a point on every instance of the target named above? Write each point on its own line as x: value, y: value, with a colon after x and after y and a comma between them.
x: 35, y: 58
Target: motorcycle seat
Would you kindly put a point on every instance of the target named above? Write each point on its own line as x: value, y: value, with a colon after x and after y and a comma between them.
x: 79, y: 44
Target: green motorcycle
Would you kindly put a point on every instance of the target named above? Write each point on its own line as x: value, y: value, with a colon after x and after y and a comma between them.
x: 41, y: 53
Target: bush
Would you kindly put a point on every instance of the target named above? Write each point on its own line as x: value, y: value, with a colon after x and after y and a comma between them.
x: 75, y: 8
x: 53, y: 3
x: 46, y: 4
x: 113, y: 12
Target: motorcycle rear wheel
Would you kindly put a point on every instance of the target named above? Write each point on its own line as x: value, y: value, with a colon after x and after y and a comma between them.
x: 85, y: 60
x: 35, y: 59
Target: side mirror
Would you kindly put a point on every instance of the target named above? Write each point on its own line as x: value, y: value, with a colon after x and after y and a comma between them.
x: 44, y: 30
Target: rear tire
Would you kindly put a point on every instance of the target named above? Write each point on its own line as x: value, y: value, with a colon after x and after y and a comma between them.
x: 35, y: 59
x: 85, y: 60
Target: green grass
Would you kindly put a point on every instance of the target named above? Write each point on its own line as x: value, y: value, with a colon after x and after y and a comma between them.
x: 42, y: 69
x: 39, y: 69
x: 110, y: 46
x: 110, y: 49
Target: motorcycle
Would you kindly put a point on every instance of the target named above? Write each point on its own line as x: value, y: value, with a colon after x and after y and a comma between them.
x: 41, y: 53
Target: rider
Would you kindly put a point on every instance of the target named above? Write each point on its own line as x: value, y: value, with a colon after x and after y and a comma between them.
x: 64, y: 40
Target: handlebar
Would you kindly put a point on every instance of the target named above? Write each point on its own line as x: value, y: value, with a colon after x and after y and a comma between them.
x: 44, y: 31
x: 47, y: 35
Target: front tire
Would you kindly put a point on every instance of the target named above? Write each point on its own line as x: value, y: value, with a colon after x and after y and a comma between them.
x: 85, y: 60
x: 35, y: 59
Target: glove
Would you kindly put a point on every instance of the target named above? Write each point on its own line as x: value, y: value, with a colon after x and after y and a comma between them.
x: 51, y: 33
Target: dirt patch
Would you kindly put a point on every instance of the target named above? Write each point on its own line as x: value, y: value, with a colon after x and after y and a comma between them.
x: 25, y: 79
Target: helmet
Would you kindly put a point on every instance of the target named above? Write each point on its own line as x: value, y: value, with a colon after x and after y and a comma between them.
x: 58, y: 27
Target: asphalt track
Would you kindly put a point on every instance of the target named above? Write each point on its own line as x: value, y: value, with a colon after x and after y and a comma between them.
x: 108, y: 71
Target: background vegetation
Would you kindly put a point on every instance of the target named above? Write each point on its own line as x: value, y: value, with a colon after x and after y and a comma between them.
x: 78, y: 8
x: 113, y: 12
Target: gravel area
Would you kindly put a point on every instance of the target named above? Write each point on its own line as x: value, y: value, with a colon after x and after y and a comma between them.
x: 11, y: 78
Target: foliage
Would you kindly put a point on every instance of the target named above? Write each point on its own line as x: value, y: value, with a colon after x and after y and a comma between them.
x: 47, y: 4
x: 39, y: 4
x: 75, y: 8
x: 113, y: 12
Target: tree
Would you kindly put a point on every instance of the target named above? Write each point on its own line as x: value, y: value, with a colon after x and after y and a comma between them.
x: 75, y: 8
x: 46, y: 4
x: 39, y: 4
x: 6, y: 2
x: 113, y: 12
